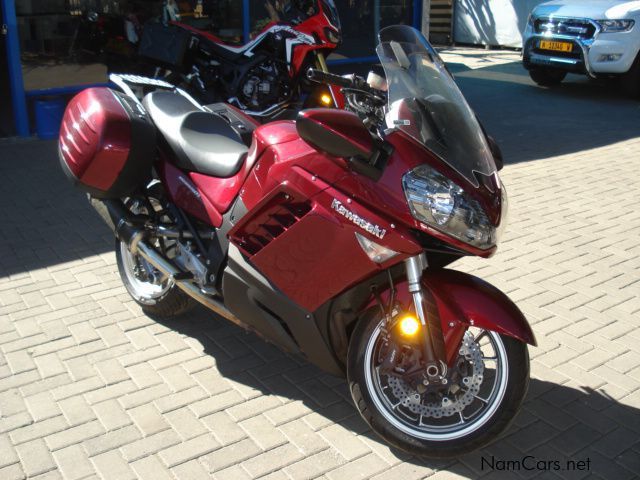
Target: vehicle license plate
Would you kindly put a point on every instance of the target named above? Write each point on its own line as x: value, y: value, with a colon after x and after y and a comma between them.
x: 556, y: 46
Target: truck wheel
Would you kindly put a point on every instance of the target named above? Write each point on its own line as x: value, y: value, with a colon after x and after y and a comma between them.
x: 631, y: 80
x: 547, y: 77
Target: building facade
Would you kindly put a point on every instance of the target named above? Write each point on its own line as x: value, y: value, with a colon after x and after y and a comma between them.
x: 491, y: 22
x: 51, y: 45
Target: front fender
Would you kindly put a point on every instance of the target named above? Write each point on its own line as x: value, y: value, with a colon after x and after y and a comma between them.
x: 461, y: 297
x: 463, y: 300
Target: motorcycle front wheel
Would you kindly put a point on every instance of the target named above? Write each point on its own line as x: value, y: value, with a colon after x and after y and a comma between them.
x: 486, y: 387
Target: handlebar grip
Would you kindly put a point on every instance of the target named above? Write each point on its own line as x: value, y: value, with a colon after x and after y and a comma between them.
x: 329, y: 78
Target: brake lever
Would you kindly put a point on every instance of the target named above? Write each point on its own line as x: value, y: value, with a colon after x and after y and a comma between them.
x: 319, y: 76
x: 352, y: 82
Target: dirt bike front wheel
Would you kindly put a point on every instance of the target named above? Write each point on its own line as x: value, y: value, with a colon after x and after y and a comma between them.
x: 485, y: 389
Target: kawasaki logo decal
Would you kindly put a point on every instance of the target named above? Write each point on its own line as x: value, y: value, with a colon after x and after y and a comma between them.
x: 359, y: 221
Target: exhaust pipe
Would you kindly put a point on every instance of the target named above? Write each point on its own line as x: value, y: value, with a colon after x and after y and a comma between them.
x: 127, y: 227
x: 130, y: 229
x: 164, y: 266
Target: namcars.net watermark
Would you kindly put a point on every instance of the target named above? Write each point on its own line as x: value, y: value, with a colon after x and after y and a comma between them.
x: 531, y: 463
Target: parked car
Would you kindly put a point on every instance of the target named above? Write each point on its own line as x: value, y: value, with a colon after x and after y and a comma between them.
x: 599, y: 38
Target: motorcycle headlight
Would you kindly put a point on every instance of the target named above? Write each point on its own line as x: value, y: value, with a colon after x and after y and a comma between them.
x: 613, y: 26
x: 440, y: 203
x: 332, y: 35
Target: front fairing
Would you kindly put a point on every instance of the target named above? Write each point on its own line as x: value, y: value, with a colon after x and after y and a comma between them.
x: 330, y: 11
x: 387, y: 197
x: 324, y: 26
x: 428, y: 114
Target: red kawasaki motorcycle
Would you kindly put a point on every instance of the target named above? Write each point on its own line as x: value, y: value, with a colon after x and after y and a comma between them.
x: 266, y: 77
x: 327, y: 236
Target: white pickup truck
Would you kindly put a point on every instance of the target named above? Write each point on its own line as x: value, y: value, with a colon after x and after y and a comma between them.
x: 600, y: 38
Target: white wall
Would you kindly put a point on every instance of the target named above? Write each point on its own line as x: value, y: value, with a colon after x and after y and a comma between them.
x: 492, y: 22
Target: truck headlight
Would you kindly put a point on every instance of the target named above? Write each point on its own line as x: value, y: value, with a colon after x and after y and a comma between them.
x: 531, y: 21
x: 440, y: 203
x: 613, y: 26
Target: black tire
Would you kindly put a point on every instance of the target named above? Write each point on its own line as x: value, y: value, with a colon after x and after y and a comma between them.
x: 171, y: 303
x: 516, y: 389
x: 630, y: 81
x: 547, y: 77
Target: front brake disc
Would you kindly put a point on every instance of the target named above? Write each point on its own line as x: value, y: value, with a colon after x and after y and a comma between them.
x: 411, y: 399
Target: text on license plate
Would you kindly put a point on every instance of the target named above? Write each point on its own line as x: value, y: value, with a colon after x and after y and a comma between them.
x: 556, y: 46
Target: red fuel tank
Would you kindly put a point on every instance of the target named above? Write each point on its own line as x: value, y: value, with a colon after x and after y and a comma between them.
x: 107, y: 143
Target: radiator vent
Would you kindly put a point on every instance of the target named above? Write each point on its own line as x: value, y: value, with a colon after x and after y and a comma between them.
x: 279, y: 215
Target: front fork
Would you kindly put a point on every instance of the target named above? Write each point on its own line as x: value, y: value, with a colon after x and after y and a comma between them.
x: 321, y: 62
x: 336, y: 96
x: 432, y: 341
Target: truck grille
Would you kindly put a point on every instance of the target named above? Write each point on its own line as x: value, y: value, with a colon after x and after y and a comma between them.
x: 583, y: 29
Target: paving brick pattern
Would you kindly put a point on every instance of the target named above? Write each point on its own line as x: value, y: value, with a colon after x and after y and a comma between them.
x: 92, y: 388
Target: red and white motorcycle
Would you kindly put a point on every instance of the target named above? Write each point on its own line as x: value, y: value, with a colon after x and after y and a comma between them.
x: 264, y: 78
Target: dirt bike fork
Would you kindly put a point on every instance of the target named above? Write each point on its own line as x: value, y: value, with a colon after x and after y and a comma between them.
x: 321, y: 62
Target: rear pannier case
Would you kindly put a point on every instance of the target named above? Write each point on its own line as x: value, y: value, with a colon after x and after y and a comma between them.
x: 107, y: 143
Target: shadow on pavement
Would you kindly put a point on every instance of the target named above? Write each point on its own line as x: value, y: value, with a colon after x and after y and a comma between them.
x: 45, y: 220
x: 556, y: 423
x: 531, y: 122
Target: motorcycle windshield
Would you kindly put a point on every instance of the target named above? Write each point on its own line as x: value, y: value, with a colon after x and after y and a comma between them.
x: 330, y: 10
x: 298, y: 11
x: 426, y: 103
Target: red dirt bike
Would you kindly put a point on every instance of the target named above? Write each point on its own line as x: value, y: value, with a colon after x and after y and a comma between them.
x: 328, y: 236
x: 265, y: 77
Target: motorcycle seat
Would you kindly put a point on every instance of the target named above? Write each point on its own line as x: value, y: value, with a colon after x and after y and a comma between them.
x: 203, y: 142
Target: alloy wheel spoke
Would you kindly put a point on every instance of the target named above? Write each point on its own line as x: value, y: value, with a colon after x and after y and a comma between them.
x: 481, y: 336
x: 420, y: 422
x: 483, y: 400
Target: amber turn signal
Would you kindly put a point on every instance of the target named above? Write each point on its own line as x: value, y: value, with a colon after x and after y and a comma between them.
x: 409, y: 325
x: 326, y: 100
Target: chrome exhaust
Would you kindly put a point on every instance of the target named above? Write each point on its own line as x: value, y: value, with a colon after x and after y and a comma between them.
x: 130, y: 229
x: 166, y: 268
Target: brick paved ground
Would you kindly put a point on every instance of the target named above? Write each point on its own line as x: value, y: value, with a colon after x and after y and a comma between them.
x: 90, y: 387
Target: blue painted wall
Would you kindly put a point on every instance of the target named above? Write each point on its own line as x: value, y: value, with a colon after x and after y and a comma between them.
x: 18, y: 98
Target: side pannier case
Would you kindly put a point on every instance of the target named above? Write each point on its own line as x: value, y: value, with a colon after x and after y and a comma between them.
x: 107, y: 143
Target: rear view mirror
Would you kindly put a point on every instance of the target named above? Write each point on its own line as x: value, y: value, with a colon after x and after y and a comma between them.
x: 496, y: 152
x: 495, y: 149
x: 335, y: 132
